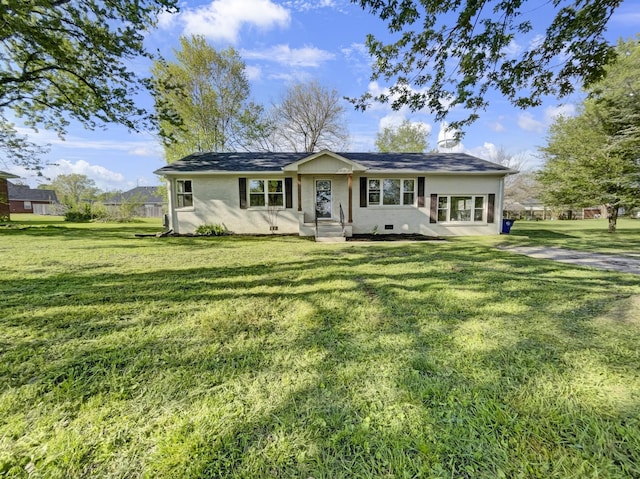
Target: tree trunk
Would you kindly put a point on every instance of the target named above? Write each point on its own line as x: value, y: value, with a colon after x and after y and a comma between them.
x: 612, y: 216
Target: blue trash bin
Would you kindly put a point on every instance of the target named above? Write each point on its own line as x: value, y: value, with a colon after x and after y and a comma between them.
x: 506, y: 226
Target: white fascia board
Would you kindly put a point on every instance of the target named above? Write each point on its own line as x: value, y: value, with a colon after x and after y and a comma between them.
x: 440, y: 173
x: 221, y: 173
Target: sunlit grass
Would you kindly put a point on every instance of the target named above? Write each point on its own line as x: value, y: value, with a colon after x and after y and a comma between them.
x: 585, y: 235
x: 279, y: 357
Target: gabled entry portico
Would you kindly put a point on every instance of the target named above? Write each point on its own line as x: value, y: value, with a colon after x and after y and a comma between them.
x: 325, y: 191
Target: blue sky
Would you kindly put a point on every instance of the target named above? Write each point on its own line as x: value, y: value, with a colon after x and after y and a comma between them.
x: 286, y: 41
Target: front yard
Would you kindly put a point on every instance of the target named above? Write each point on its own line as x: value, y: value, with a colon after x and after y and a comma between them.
x: 124, y: 357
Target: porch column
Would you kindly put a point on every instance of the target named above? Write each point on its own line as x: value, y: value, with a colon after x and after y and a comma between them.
x: 350, y: 182
x: 299, y: 192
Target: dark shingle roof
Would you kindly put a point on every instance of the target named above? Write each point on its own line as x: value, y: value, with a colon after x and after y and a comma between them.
x: 256, y: 162
x: 25, y: 193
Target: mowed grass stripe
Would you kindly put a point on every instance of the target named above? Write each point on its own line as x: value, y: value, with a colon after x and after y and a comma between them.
x: 279, y: 357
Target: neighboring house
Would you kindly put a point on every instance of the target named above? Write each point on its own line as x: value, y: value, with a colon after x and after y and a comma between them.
x: 594, y: 212
x: 5, y: 209
x: 24, y: 199
x: 432, y: 194
x: 535, y: 209
x: 145, y: 200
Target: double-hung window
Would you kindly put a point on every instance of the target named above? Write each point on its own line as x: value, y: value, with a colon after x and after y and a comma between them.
x: 460, y: 208
x: 184, y: 193
x: 391, y: 191
x: 266, y: 193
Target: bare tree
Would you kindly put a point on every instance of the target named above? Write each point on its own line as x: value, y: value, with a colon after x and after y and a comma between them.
x: 521, y: 187
x: 514, y: 162
x: 309, y: 118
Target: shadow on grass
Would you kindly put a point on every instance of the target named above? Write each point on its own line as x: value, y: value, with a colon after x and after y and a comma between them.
x: 540, y: 234
x: 587, y: 235
x: 411, y: 360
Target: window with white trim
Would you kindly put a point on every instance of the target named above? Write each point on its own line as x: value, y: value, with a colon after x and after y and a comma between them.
x: 391, y: 191
x: 27, y: 205
x: 184, y: 193
x: 266, y: 193
x: 461, y: 208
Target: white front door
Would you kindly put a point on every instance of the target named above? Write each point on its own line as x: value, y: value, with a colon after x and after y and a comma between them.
x: 323, y: 199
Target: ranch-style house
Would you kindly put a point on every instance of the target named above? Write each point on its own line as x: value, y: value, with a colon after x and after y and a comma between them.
x: 329, y: 194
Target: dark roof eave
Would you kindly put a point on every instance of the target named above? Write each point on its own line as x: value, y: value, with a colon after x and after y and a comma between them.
x: 371, y: 171
x: 269, y: 163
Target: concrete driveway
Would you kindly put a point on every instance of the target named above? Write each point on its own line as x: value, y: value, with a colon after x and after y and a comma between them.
x: 626, y: 264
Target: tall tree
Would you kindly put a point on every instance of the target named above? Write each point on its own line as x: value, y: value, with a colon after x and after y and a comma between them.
x: 310, y: 118
x: 207, y: 91
x: 74, y: 187
x: 449, y: 53
x: 593, y: 158
x: 406, y: 138
x: 68, y: 59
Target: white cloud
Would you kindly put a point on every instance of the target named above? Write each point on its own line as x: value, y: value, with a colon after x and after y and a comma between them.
x: 497, y: 126
x: 374, y: 89
x: 295, y: 57
x: 291, y: 78
x: 527, y: 122
x: 141, y: 145
x: 361, y: 142
x: 253, y: 72
x: 392, y: 120
x: 553, y: 112
x: 536, y: 42
x: 305, y: 5
x: 513, y: 49
x: 487, y: 151
x: 356, y: 50
x: 357, y: 57
x: 222, y: 20
x: 105, y: 179
x: 167, y: 20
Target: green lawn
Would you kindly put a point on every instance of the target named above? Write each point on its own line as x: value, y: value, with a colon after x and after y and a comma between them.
x: 587, y: 235
x: 125, y: 357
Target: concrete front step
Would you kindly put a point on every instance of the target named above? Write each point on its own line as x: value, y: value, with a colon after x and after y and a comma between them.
x: 330, y: 239
x: 330, y: 233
